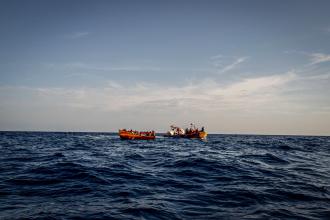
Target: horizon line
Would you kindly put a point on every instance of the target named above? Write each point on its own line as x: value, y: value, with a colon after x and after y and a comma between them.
x: 212, y: 133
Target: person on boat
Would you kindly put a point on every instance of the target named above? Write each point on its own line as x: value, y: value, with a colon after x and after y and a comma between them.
x: 202, y: 130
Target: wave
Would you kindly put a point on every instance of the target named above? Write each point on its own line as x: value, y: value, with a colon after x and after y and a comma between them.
x: 96, y: 175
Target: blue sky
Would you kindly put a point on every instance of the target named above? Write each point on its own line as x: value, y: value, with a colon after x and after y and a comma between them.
x: 232, y: 66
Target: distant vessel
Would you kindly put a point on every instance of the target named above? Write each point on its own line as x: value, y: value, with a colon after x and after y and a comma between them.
x: 137, y: 135
x: 192, y: 132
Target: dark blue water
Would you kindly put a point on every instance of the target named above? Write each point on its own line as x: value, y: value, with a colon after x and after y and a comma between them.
x: 99, y: 176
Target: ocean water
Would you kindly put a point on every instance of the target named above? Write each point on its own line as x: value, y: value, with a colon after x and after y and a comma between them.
x: 99, y: 176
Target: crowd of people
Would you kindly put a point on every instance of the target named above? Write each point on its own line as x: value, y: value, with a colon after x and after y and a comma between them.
x: 194, y: 130
x: 179, y: 131
x: 140, y: 133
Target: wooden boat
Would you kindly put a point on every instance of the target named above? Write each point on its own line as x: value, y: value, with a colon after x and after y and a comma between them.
x: 198, y: 134
x: 193, y: 132
x: 136, y: 135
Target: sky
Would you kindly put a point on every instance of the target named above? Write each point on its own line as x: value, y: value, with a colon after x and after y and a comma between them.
x: 239, y: 67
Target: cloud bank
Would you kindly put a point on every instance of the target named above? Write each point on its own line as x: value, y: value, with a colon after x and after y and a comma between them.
x: 246, y: 103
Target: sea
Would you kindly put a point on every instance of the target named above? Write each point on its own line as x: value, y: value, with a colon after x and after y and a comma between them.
x: 63, y: 175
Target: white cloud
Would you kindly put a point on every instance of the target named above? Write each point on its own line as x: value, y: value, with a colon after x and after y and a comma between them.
x: 202, y: 96
x: 317, y: 58
x: 252, y: 85
x: 314, y: 58
x: 226, y: 63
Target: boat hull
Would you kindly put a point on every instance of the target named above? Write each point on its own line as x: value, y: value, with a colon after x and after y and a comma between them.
x: 129, y: 136
x: 202, y: 134
x: 199, y: 135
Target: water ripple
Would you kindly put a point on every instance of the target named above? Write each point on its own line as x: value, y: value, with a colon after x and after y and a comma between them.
x: 98, y: 176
